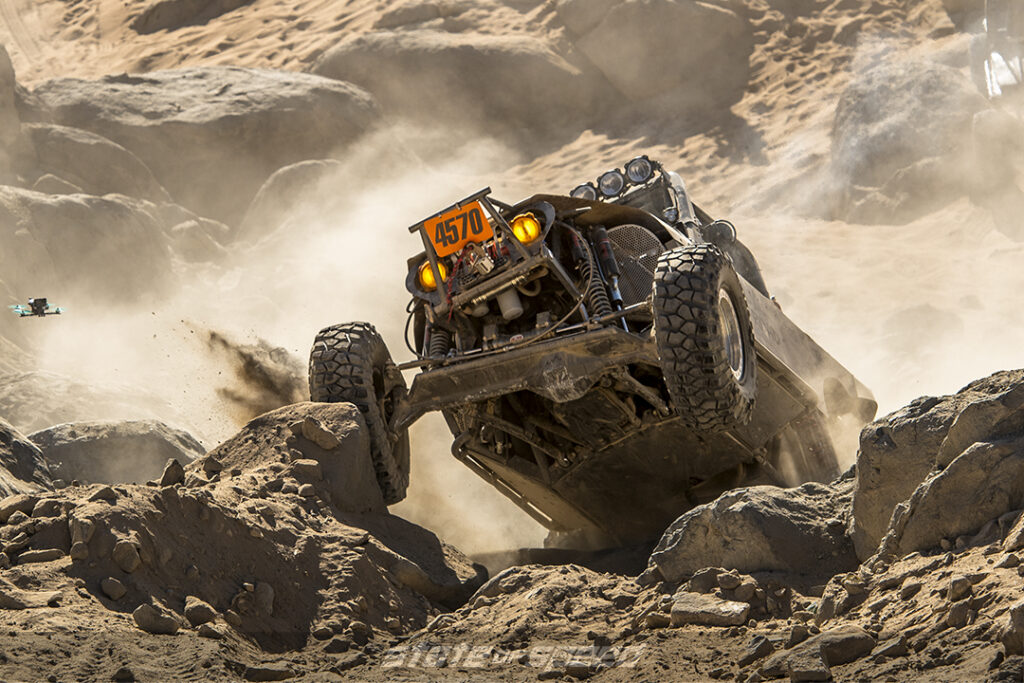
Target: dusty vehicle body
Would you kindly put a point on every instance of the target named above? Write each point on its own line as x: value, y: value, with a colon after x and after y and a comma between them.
x: 601, y: 362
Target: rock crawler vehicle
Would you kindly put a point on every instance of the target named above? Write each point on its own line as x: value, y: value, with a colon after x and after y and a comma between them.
x: 607, y: 360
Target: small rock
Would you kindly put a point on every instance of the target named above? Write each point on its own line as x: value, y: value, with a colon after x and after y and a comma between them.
x: 5, y: 561
x: 854, y: 585
x: 48, y: 507
x: 909, y: 589
x: 306, y: 470
x: 307, y: 491
x: 124, y: 674
x: 361, y: 633
x: 79, y: 551
x: 59, y: 484
x: 894, y: 647
x: 81, y: 529
x: 797, y: 635
x: 208, y: 630
x: 233, y: 618
x: 113, y: 588
x: 337, y: 644
x: 46, y: 555
x: 745, y: 591
x: 267, y: 672
x: 17, y: 517
x: 17, y: 503
x: 153, y: 619
x: 704, y: 580
x: 212, y: 465
x: 758, y: 648
x: 198, y: 611
x: 393, y: 624
x: 579, y: 670
x: 807, y: 665
x: 1008, y: 561
x: 803, y: 615
x: 956, y: 617
x: 945, y: 544
x: 697, y: 608
x: 322, y: 632
x: 17, y: 544
x: 126, y: 555
x: 104, y: 493
x: 173, y: 474
x: 656, y: 620
x: 289, y: 487
x: 729, y: 581
x: 959, y: 587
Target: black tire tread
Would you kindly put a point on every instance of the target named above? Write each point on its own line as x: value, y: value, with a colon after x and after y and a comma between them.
x: 696, y: 369
x: 341, y: 365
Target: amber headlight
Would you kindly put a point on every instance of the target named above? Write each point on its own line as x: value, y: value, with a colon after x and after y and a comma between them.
x: 526, y: 228
x: 426, y: 276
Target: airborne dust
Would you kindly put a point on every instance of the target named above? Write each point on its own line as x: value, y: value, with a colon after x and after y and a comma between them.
x: 913, y: 309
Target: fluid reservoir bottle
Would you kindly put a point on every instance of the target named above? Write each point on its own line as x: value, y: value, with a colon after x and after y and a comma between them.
x: 510, y: 304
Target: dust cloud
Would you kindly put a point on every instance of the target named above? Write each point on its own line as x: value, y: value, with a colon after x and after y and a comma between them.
x: 233, y: 339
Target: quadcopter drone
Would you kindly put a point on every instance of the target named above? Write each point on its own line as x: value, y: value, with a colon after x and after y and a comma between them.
x: 38, y: 307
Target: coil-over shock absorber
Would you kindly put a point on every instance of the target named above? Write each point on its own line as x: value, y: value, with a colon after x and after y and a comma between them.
x: 439, y: 344
x: 597, y: 295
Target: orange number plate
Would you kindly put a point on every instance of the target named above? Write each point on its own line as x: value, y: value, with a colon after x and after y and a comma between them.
x: 453, y: 230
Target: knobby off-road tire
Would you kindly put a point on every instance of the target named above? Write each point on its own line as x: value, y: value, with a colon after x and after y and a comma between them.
x: 704, y: 337
x: 351, y: 363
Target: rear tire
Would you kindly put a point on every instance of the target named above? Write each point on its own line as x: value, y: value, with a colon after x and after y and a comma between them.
x: 704, y: 337
x: 351, y: 363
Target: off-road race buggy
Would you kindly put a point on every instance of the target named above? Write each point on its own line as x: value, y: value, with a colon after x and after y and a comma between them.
x: 607, y: 360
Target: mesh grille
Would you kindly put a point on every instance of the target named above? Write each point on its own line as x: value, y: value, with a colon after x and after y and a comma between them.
x: 637, y: 251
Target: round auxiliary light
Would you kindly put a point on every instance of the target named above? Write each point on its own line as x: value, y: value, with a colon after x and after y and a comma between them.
x: 526, y: 227
x: 639, y: 170
x: 611, y: 183
x: 426, y: 276
x: 585, y: 191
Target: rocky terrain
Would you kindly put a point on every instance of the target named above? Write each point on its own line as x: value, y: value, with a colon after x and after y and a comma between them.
x: 203, y: 185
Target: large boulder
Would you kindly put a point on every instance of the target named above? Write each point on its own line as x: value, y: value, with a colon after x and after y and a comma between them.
x: 901, y: 141
x: 899, y: 451
x: 284, y: 191
x: 92, y: 162
x: 648, y: 48
x: 110, y: 247
x: 22, y: 467
x: 988, y: 474
x: 762, y: 528
x: 212, y: 135
x: 110, y: 452
x: 332, y: 436
x: 504, y: 84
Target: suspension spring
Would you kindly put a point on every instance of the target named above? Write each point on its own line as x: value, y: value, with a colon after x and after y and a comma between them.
x: 597, y: 295
x: 440, y: 342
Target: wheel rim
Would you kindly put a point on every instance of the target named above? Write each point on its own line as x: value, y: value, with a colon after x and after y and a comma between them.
x: 732, y: 339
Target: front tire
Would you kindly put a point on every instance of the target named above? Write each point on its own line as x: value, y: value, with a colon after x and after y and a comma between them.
x: 704, y: 338
x: 351, y: 363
